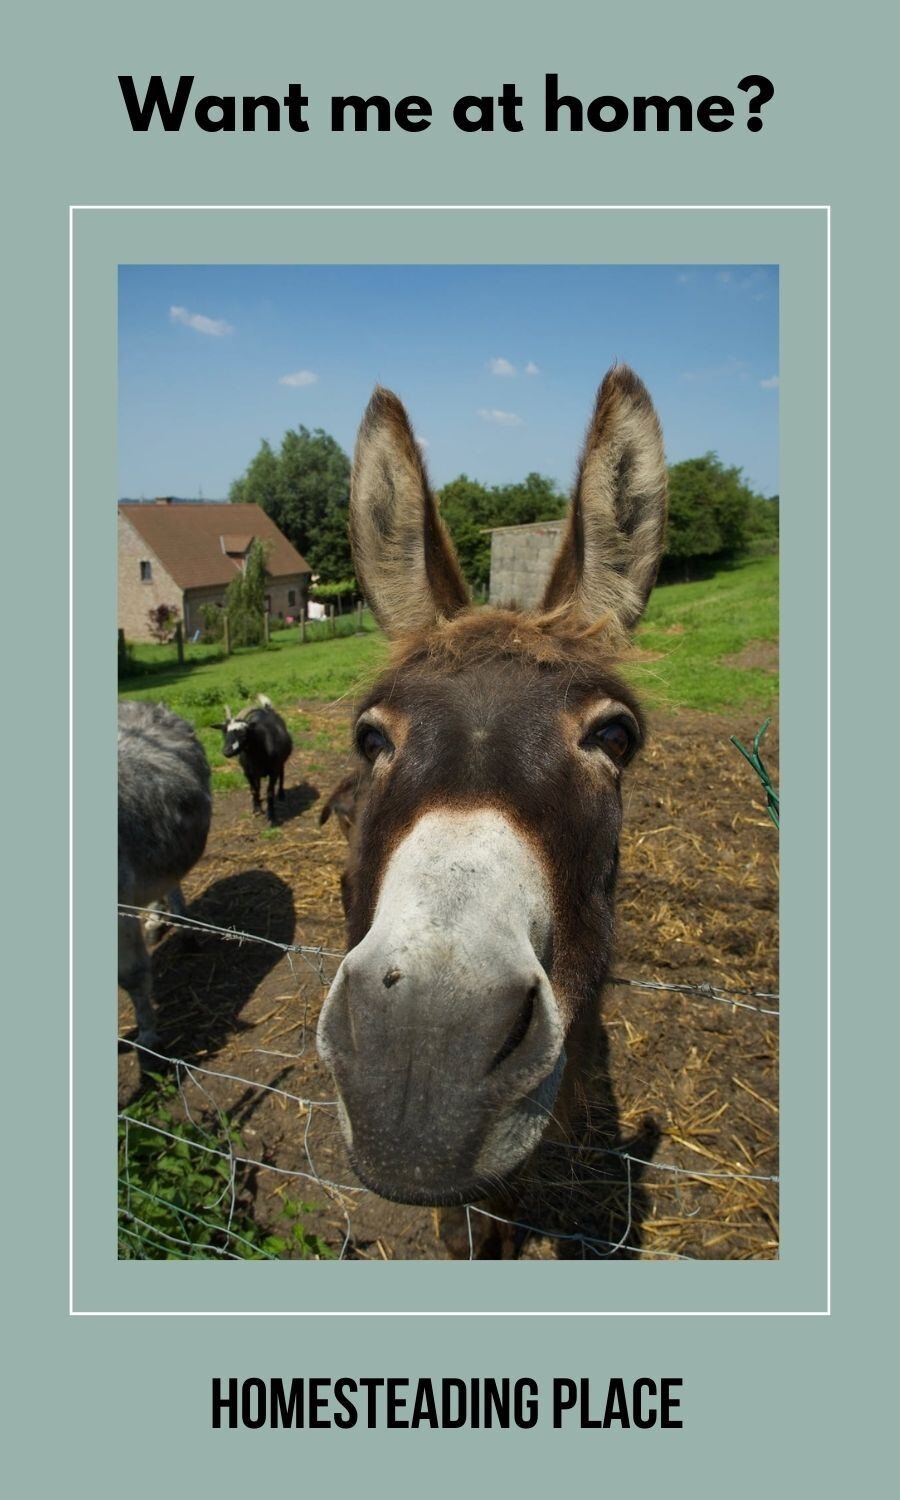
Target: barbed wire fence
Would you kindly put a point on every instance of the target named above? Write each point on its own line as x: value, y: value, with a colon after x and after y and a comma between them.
x: 231, y: 1161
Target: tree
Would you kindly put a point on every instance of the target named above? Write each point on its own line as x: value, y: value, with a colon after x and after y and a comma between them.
x: 535, y: 499
x: 245, y: 602
x: 259, y: 484
x: 470, y: 509
x: 305, y: 489
x: 467, y: 508
x: 762, y: 524
x: 709, y: 506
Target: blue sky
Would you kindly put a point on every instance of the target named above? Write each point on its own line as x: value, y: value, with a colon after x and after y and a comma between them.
x: 498, y: 365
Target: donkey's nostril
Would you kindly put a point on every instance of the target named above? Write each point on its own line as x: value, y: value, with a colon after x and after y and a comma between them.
x: 519, y: 1032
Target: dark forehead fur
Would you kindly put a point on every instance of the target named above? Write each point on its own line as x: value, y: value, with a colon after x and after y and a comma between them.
x: 490, y: 644
x: 482, y: 694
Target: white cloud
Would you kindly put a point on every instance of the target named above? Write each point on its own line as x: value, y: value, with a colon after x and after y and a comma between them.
x: 770, y: 384
x: 501, y: 367
x: 499, y: 418
x: 531, y: 368
x: 214, y: 326
x: 756, y: 282
x: 422, y: 442
x: 299, y: 377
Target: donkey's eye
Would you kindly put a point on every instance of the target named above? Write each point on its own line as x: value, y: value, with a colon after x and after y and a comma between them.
x: 371, y: 741
x: 616, y: 737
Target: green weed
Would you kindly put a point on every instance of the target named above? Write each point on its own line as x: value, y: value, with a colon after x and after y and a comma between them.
x: 181, y: 1194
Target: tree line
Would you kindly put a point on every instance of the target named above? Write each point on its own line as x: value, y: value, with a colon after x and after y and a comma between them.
x: 714, y: 516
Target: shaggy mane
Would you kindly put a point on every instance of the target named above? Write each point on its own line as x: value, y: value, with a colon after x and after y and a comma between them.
x: 556, y: 638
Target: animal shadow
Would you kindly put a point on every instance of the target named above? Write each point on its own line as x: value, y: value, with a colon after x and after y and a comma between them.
x: 587, y: 1192
x: 294, y: 803
x: 203, y: 980
x: 297, y: 799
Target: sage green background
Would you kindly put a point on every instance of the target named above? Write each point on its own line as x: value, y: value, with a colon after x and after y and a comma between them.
x: 797, y: 240
x: 118, y: 1404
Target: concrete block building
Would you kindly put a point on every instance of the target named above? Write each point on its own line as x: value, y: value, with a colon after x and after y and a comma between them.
x: 521, y: 559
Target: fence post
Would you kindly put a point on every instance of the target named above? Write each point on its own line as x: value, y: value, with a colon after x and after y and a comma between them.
x: 359, y: 623
x: 303, y: 629
x: 226, y: 635
x: 179, y: 643
x: 331, y: 618
x: 265, y: 628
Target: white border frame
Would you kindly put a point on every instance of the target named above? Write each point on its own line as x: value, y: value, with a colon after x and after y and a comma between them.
x: 455, y: 208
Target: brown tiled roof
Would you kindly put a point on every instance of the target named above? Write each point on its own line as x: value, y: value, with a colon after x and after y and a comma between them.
x: 189, y: 541
x: 234, y: 542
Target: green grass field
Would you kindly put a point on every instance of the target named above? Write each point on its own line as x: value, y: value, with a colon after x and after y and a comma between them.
x: 287, y: 672
x: 688, y: 629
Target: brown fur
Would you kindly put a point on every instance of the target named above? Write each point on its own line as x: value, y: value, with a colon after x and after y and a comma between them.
x: 401, y: 552
x: 545, y: 638
x: 341, y: 802
x: 610, y: 552
x: 497, y: 706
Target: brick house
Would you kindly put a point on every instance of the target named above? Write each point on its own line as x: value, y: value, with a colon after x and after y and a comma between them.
x: 185, y: 554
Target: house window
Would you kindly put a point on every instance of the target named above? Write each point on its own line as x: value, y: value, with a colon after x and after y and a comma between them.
x: 146, y: 571
x: 292, y: 596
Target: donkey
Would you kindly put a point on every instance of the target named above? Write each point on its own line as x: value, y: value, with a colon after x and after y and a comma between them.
x: 165, y: 809
x: 486, y: 815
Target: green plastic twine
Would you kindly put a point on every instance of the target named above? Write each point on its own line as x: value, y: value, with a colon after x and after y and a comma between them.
x: 756, y: 761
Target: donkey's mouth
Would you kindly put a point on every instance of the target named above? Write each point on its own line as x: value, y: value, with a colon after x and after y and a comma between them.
x: 487, y: 1168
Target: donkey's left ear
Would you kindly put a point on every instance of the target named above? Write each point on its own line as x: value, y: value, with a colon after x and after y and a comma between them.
x: 342, y: 802
x: 402, y: 555
x: 610, y: 552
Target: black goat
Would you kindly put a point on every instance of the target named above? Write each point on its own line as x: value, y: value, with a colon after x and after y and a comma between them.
x: 260, y: 740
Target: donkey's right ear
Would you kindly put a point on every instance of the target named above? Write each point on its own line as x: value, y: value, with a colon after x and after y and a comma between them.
x: 610, y: 551
x: 402, y: 555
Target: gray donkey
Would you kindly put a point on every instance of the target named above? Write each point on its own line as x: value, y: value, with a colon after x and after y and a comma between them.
x: 164, y: 813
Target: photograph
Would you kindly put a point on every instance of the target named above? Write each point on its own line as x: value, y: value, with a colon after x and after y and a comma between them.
x: 448, y: 773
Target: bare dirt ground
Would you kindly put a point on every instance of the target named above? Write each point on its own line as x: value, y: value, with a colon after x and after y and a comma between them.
x: 761, y: 654
x: 681, y: 1139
